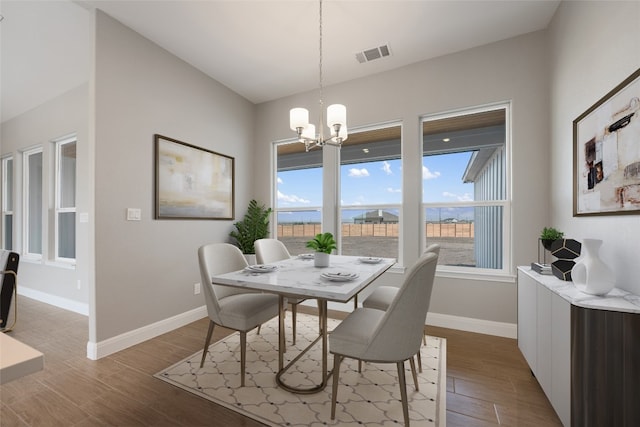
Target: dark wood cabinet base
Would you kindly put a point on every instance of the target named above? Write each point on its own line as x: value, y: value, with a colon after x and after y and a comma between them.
x: 605, y: 368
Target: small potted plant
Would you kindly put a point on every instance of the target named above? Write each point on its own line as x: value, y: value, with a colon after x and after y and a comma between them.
x: 254, y: 226
x: 322, y: 244
x: 550, y: 235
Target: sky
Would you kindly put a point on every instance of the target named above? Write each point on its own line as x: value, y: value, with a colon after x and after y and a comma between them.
x: 375, y: 183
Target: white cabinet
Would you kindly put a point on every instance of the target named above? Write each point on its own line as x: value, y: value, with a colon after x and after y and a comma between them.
x: 544, y: 338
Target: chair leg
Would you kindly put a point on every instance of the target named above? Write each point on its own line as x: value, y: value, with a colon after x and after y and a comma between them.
x: 207, y: 341
x: 413, y: 373
x: 403, y: 393
x: 359, y: 366
x: 243, y: 355
x: 419, y: 357
x: 258, y: 333
x: 294, y: 315
x: 337, y: 359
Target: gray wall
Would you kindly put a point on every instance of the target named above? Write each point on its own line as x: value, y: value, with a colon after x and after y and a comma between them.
x: 66, y: 114
x: 513, y: 70
x: 594, y: 46
x: 145, y: 270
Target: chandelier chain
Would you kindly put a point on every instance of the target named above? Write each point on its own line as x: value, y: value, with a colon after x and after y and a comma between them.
x: 320, y: 50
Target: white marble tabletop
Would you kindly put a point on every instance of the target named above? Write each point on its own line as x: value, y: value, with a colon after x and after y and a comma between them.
x: 298, y: 277
x: 615, y: 300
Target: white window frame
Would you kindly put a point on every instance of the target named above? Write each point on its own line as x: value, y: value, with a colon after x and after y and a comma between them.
x: 59, y: 143
x: 6, y: 192
x: 506, y: 273
x: 26, y: 208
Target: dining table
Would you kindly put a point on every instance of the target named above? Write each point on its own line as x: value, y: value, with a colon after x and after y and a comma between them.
x: 298, y: 277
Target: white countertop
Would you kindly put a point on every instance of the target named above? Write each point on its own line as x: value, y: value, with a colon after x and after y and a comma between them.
x: 615, y: 300
x: 17, y: 359
x: 298, y: 277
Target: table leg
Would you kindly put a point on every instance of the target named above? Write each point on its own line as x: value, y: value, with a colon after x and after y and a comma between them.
x: 281, y: 337
x: 322, y: 315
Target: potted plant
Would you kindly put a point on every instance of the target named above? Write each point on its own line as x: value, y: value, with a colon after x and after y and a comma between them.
x: 322, y: 244
x: 550, y: 235
x: 254, y: 226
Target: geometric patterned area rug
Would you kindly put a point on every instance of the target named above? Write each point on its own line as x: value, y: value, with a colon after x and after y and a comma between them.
x: 370, y: 398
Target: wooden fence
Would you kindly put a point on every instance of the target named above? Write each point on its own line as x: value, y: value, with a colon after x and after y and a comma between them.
x: 456, y: 229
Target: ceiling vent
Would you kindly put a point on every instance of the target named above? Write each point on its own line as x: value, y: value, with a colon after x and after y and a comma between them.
x: 372, y: 54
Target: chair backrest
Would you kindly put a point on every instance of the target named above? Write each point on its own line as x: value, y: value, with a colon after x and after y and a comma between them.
x: 8, y: 262
x: 400, y: 331
x: 218, y: 258
x: 270, y: 250
x: 434, y: 248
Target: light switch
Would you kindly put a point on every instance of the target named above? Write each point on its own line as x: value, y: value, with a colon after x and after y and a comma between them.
x: 134, y: 214
x: 84, y: 217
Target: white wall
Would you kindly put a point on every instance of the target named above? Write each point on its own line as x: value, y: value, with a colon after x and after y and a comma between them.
x: 594, y: 47
x: 514, y: 70
x: 145, y: 270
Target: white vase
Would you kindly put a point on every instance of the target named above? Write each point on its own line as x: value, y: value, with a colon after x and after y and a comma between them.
x: 251, y: 258
x: 320, y: 259
x: 590, y: 274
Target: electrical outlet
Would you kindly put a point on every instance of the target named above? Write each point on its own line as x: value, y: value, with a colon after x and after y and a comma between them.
x: 196, y: 288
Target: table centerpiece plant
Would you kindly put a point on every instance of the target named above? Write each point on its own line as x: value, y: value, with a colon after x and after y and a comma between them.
x: 323, y: 244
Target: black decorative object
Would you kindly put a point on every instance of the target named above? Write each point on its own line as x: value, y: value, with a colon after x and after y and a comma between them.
x: 566, y: 250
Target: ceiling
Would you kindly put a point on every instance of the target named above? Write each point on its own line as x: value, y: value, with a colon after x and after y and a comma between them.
x: 261, y: 49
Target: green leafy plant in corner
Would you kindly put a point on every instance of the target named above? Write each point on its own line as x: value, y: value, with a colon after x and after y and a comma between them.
x: 254, y: 226
x: 549, y: 235
x: 323, y: 242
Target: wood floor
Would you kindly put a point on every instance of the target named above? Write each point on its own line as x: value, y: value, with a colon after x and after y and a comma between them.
x: 488, y: 382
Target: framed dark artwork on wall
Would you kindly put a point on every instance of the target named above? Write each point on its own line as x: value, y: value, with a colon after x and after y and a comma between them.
x: 606, y: 153
x: 192, y: 182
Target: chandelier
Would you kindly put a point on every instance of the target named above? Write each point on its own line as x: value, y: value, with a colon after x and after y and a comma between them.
x: 336, y: 118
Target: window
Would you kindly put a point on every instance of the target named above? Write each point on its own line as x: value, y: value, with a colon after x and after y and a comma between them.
x: 465, y: 195
x: 32, y: 178
x: 370, y: 192
x: 299, y: 195
x: 65, y: 199
x: 7, y: 203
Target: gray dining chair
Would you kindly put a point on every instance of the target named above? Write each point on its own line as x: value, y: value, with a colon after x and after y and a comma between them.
x: 230, y: 307
x: 272, y: 250
x: 391, y: 336
x: 382, y: 296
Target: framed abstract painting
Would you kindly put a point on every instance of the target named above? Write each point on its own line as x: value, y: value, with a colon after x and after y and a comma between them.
x: 606, y: 143
x: 192, y: 182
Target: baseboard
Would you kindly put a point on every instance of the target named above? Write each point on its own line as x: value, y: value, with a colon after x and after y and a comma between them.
x: 113, y: 345
x: 468, y: 324
x: 65, y: 303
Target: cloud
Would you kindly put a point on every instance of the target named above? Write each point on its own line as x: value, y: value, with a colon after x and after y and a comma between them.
x: 394, y: 190
x: 427, y: 174
x: 386, y: 167
x: 466, y: 197
x: 358, y: 173
x: 280, y: 181
x: 292, y: 198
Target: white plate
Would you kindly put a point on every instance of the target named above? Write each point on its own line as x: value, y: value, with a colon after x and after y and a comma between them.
x: 339, y: 277
x: 261, y: 268
x: 370, y: 260
x: 306, y: 256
